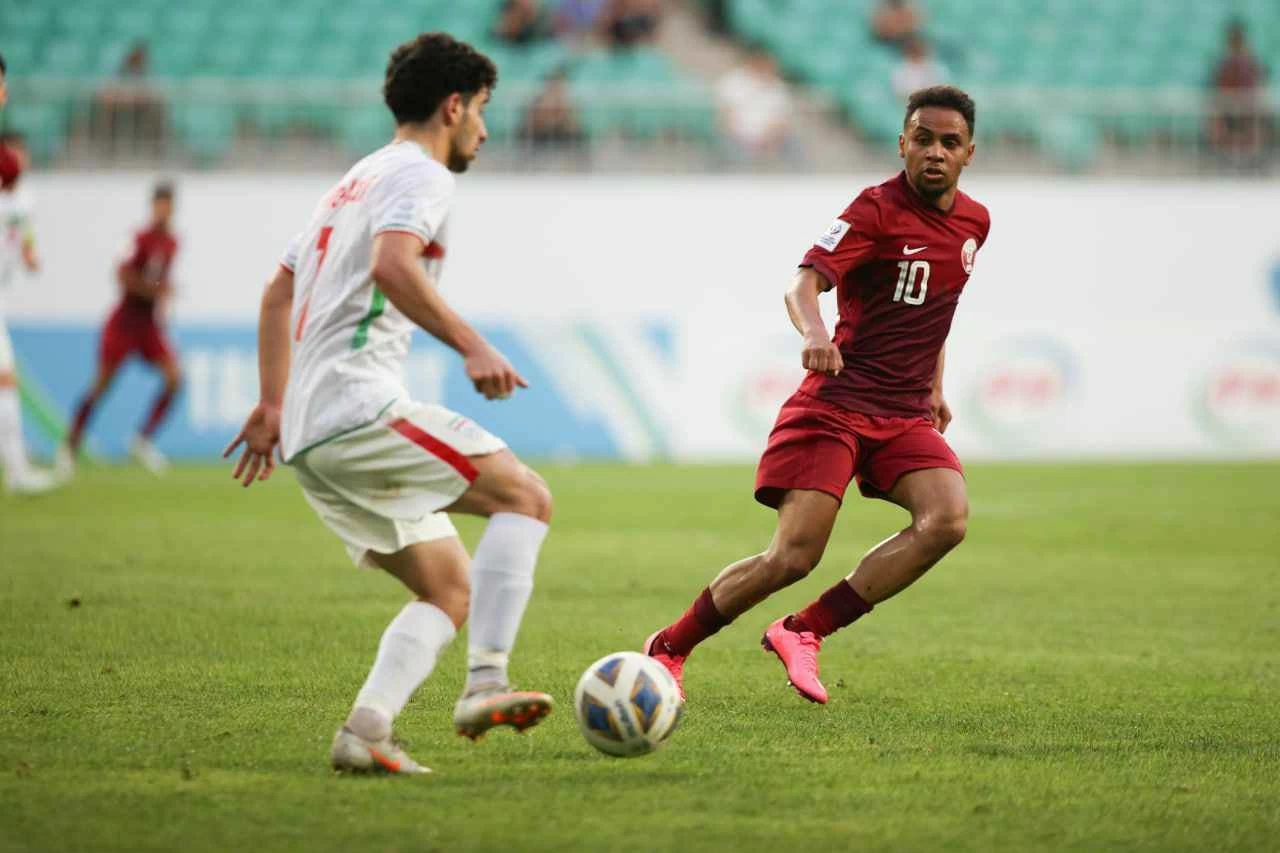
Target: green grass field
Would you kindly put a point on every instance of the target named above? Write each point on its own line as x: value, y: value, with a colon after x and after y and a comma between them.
x: 1096, y: 668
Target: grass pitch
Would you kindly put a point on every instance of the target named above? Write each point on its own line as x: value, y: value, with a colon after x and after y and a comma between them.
x: 1096, y: 668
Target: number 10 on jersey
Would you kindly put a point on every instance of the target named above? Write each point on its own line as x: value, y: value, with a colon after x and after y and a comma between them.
x: 913, y: 282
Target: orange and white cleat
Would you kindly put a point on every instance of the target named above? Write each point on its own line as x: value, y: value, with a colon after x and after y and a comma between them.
x: 353, y: 754
x: 798, y: 651
x: 490, y: 706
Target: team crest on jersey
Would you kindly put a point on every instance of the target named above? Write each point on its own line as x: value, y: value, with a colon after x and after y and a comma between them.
x: 834, y: 235
x: 968, y: 253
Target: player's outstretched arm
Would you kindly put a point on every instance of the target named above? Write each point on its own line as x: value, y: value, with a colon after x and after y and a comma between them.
x: 261, y: 432
x: 30, y: 257
x: 820, y: 354
x: 397, y: 269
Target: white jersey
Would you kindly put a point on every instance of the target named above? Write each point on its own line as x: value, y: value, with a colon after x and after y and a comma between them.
x: 349, y: 343
x: 15, y: 230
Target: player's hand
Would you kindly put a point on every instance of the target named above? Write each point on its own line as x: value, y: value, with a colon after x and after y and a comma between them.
x: 491, y: 374
x: 260, y: 436
x: 821, y: 356
x: 941, y: 412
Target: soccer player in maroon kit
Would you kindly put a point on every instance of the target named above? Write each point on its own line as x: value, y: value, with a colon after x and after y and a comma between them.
x: 135, y: 327
x: 871, y: 406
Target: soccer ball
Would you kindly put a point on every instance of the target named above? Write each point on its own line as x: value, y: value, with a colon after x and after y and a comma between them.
x: 627, y: 704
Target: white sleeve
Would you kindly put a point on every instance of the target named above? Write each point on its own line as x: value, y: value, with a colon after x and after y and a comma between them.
x: 289, y: 260
x: 415, y: 199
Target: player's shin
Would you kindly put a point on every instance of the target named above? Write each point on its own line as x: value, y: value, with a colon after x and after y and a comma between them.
x: 159, y: 410
x: 836, y: 608
x: 501, y: 583
x: 13, y: 452
x: 406, y: 655
x: 897, y: 563
x: 84, y: 411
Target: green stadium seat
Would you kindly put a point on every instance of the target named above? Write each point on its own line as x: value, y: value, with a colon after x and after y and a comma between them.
x: 22, y: 56
x: 80, y: 21
x: 43, y: 124
x: 364, y: 129
x: 205, y: 130
x: 184, y: 23
x: 1071, y: 143
x: 68, y: 58
x: 25, y: 22
x: 174, y: 58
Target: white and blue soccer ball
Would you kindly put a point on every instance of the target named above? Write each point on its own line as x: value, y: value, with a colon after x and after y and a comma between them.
x: 627, y: 704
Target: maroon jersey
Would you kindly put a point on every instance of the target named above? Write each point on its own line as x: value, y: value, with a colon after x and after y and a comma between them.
x: 898, y: 265
x: 151, y: 256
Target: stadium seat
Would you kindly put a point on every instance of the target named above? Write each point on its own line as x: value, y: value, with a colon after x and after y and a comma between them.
x: 205, y: 130
x: 44, y: 126
x: 1099, y: 45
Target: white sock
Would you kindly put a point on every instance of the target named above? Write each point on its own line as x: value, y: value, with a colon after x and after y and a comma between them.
x: 13, y: 451
x: 407, y: 654
x: 501, y: 582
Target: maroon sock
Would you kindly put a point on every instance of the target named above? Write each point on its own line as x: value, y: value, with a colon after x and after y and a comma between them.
x: 835, y: 608
x: 83, y: 412
x: 698, y: 622
x: 158, y: 410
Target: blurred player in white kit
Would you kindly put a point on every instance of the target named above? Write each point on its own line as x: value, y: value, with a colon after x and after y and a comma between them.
x: 17, y: 255
x: 381, y: 470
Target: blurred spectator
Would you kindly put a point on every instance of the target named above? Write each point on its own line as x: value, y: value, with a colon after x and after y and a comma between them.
x: 578, y: 19
x: 127, y: 112
x: 521, y: 22
x: 895, y: 23
x: 755, y: 108
x: 916, y: 70
x: 552, y: 119
x: 628, y: 23
x: 1240, y: 123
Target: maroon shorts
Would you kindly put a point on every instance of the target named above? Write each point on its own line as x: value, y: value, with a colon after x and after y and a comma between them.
x: 127, y: 333
x: 820, y: 446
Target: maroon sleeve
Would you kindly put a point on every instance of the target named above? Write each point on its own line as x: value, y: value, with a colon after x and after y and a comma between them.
x: 849, y: 242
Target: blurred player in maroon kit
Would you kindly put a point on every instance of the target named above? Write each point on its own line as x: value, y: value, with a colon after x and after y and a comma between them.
x: 135, y: 326
x: 871, y: 407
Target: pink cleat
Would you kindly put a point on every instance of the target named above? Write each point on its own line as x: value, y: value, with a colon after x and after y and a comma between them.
x: 674, y: 663
x: 798, y: 651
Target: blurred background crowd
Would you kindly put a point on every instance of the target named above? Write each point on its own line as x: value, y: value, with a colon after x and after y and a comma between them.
x: 655, y: 85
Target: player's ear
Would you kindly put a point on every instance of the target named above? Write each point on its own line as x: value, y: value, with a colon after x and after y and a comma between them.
x: 453, y: 108
x: 968, y: 157
x: 902, y: 145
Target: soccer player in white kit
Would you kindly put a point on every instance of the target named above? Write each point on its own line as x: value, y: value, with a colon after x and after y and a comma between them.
x: 379, y: 469
x: 17, y: 251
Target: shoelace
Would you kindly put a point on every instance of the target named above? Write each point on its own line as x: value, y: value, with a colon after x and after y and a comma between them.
x: 810, y: 644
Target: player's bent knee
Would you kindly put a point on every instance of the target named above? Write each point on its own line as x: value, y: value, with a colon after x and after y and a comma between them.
x: 455, y: 601
x: 791, y: 563
x: 520, y: 491
x: 944, y: 530
x: 538, y: 497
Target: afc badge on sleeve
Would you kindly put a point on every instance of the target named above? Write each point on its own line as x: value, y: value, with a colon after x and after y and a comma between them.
x: 968, y: 252
x: 834, y: 235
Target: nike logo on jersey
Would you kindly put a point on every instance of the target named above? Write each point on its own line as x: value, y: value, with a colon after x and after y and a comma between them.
x: 907, y: 250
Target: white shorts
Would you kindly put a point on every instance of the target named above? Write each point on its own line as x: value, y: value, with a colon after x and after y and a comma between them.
x: 7, y: 364
x: 381, y: 487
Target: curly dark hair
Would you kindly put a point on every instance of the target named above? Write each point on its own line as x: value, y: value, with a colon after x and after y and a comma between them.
x: 423, y: 72
x: 3, y: 68
x: 947, y: 97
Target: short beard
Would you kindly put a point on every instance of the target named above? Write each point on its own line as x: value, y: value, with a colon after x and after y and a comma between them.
x: 928, y: 192
x: 458, y: 162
